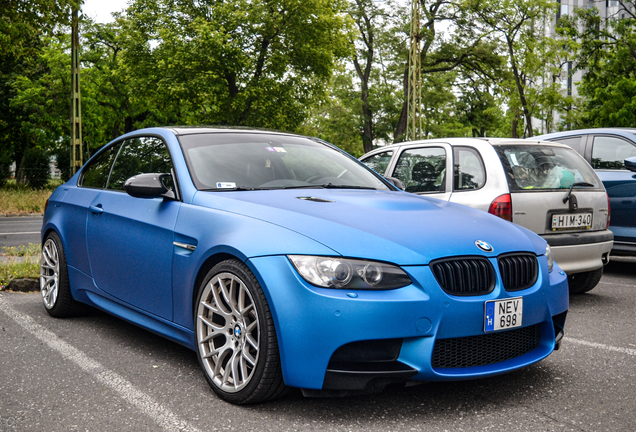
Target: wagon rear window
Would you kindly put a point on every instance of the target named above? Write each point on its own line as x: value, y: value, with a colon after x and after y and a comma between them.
x: 544, y: 167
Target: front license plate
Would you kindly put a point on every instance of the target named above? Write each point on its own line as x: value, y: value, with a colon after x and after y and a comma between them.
x: 503, y: 314
x: 565, y: 221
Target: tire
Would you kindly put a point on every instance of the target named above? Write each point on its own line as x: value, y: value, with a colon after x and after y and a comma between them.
x: 54, y: 284
x: 580, y: 283
x: 236, y: 340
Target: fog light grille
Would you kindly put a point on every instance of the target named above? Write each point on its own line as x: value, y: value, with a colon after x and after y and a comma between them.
x: 485, y: 349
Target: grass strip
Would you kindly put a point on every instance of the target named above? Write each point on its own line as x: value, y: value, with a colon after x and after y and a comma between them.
x: 18, y: 268
x: 20, y: 199
x: 32, y: 249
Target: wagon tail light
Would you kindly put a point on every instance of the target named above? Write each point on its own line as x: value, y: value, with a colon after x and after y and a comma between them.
x: 502, y: 207
x: 609, y: 212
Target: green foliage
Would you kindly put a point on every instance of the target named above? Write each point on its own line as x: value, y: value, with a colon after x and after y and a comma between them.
x: 35, y: 168
x: 23, y: 250
x: 251, y: 63
x: 26, y: 26
x: 16, y: 268
x: 607, y: 50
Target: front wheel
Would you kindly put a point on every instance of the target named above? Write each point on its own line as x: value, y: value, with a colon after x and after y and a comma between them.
x: 236, y: 340
x: 580, y: 283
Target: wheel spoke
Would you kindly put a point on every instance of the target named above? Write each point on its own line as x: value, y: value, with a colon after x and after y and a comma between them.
x: 212, y: 324
x: 252, y: 342
x: 247, y: 356
x: 217, y: 300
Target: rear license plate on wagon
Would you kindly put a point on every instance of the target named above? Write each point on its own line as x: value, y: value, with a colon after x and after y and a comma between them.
x: 503, y: 314
x: 564, y: 221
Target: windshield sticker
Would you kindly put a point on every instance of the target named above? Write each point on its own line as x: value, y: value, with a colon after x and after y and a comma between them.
x: 280, y: 150
x: 270, y: 149
x: 226, y: 185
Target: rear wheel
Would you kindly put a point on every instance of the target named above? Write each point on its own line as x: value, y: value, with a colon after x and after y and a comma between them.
x: 54, y: 284
x: 236, y: 340
x: 580, y: 283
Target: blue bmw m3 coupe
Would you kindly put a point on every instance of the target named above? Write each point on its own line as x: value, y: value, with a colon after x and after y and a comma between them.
x: 284, y: 262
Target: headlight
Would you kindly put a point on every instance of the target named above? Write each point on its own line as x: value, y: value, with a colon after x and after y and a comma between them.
x: 335, y: 272
x: 548, y: 255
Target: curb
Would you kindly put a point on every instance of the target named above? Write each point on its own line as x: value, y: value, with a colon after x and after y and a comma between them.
x: 21, y: 214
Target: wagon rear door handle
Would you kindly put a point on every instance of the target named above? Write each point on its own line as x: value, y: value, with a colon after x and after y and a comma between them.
x: 96, y: 208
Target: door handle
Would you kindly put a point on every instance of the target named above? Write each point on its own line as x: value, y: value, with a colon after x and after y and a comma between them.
x: 96, y: 208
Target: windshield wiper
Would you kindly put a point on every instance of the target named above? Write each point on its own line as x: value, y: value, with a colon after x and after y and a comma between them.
x: 234, y: 189
x: 333, y: 186
x: 585, y: 184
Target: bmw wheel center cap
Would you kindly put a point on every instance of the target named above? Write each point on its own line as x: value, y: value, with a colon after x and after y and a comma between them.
x: 483, y: 245
x: 237, y: 331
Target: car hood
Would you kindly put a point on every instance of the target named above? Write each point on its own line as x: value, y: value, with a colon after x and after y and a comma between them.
x: 399, y: 227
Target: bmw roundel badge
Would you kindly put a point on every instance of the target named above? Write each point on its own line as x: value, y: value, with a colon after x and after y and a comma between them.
x: 483, y: 245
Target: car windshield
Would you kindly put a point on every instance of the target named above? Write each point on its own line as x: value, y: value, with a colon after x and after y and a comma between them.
x: 544, y: 167
x: 257, y: 161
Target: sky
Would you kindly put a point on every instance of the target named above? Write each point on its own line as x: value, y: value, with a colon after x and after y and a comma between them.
x: 100, y: 10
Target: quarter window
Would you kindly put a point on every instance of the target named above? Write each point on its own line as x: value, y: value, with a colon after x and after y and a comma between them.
x: 469, y: 169
x: 96, y: 173
x: 422, y: 169
x: 140, y: 155
x: 379, y: 162
x: 610, y: 152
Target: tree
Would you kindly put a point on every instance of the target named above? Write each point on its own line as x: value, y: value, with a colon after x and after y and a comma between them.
x: 252, y: 63
x: 25, y: 28
x: 607, y: 53
x: 520, y: 25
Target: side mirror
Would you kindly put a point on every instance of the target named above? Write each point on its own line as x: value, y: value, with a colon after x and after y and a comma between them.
x: 149, y: 186
x: 396, y: 182
x: 630, y: 163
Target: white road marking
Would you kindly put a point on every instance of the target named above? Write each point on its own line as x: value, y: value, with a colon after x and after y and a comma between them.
x: 14, y: 233
x: 164, y: 417
x: 602, y: 346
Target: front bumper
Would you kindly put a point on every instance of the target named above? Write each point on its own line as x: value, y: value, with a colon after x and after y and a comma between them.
x: 317, y: 327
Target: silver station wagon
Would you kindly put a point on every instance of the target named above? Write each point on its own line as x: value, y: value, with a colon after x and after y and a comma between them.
x: 545, y: 187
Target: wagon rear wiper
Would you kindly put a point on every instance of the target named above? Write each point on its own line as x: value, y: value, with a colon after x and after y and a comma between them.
x: 567, y: 197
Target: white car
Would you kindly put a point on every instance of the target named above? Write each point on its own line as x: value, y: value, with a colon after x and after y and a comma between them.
x: 545, y: 187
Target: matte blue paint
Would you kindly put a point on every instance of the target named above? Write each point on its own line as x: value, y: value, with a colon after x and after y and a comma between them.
x: 123, y: 260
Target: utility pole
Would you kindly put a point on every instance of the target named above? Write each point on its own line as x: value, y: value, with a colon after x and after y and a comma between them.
x: 77, y: 159
x: 414, y: 121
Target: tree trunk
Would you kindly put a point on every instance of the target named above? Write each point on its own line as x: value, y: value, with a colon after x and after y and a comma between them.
x: 400, y: 130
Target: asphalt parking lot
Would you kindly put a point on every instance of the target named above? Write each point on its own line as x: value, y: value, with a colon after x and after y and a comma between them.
x: 98, y: 373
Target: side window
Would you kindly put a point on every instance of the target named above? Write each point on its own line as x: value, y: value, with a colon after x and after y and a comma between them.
x: 610, y: 152
x: 140, y: 155
x: 469, y: 169
x: 379, y: 162
x: 574, y: 142
x: 95, y: 174
x: 422, y: 169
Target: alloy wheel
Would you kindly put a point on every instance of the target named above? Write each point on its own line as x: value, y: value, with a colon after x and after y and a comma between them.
x: 228, y: 332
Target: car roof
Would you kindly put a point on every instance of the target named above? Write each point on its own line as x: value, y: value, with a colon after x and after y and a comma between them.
x: 191, y: 130
x: 626, y: 132
x: 476, y: 142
